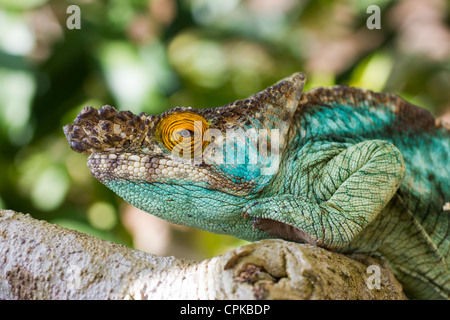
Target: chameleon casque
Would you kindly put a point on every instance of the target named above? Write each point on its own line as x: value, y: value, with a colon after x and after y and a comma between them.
x: 358, y: 172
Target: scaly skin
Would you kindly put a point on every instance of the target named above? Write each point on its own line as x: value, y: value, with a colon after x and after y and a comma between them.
x: 359, y: 172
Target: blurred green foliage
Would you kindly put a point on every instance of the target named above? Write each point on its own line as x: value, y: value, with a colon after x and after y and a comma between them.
x: 152, y: 55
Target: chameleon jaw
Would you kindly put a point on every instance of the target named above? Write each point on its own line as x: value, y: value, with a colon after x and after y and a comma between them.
x: 105, y: 166
x: 141, y: 167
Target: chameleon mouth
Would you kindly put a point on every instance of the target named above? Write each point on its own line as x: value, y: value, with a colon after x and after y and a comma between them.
x: 135, y: 167
x: 282, y: 230
x: 142, y: 167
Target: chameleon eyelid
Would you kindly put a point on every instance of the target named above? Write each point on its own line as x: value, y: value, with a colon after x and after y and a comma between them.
x: 174, y: 129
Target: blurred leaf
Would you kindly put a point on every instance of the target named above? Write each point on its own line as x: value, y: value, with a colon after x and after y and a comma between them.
x: 132, y: 79
x: 373, y: 72
x: 202, y: 61
x: 49, y: 189
x: 16, y: 92
x: 102, y: 215
x: 16, y: 37
x: 22, y: 4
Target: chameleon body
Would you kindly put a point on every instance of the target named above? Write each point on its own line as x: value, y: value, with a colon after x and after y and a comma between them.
x: 351, y: 170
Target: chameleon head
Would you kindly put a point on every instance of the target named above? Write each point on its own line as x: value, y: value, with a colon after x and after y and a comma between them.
x: 194, y: 167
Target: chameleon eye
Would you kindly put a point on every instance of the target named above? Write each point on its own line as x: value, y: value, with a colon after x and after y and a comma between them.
x: 183, y: 131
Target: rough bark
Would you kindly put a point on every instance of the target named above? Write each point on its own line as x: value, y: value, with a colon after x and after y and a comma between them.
x: 39, y: 260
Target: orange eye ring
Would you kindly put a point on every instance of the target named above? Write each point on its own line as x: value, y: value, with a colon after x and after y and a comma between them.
x: 183, y: 132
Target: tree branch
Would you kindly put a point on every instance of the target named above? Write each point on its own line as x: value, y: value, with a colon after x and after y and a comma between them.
x: 39, y: 260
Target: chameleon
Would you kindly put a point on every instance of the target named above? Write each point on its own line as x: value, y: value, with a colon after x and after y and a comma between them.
x: 343, y: 168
